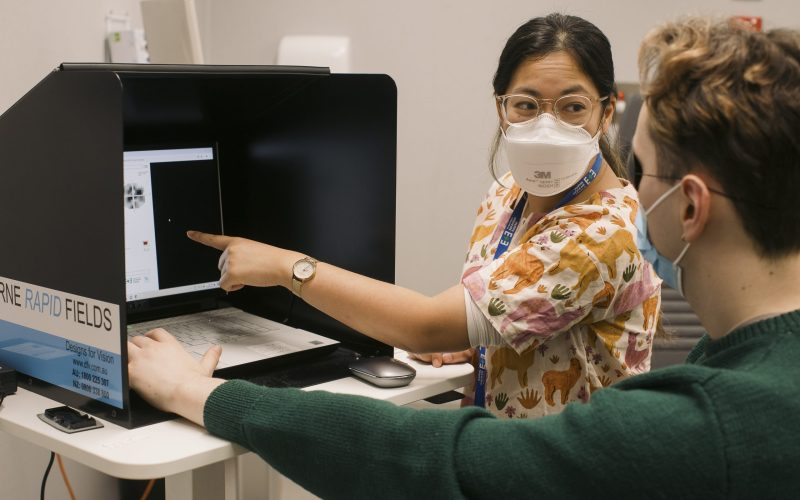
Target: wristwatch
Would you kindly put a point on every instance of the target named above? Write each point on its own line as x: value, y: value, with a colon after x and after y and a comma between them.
x: 303, y: 271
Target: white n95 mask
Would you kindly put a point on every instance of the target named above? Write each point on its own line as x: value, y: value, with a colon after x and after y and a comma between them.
x: 547, y: 157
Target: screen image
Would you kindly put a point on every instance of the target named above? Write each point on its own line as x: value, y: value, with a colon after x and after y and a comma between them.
x: 166, y: 193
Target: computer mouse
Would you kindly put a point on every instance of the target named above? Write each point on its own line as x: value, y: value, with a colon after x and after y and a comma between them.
x: 383, y: 371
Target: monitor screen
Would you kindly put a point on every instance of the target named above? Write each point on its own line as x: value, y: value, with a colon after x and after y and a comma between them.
x: 168, y: 192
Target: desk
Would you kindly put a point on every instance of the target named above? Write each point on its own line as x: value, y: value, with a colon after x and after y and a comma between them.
x: 174, y: 449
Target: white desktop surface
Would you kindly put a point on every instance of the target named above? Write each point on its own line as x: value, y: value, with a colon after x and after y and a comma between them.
x: 177, y: 446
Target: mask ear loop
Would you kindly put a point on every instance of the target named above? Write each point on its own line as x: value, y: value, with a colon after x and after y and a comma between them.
x: 500, y: 152
x: 679, y: 270
x: 662, y: 198
x: 680, y: 255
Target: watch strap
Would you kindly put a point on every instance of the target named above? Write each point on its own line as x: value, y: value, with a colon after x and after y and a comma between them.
x: 297, y: 286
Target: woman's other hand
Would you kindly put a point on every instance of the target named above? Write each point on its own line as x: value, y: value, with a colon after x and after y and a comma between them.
x: 437, y: 359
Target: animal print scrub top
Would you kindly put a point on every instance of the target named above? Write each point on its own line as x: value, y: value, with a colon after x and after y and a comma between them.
x: 572, y: 297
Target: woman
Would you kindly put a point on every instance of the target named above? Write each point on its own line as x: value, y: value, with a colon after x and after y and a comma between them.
x: 566, y: 302
x: 572, y: 306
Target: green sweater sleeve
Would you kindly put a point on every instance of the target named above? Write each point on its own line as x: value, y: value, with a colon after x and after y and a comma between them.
x: 624, y: 444
x: 340, y: 446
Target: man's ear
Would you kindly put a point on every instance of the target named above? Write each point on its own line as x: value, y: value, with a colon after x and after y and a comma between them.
x: 696, y: 212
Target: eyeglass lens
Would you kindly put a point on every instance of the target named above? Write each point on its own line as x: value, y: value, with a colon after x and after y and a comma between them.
x: 572, y: 109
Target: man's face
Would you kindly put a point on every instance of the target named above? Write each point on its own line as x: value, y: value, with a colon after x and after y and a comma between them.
x: 664, y: 221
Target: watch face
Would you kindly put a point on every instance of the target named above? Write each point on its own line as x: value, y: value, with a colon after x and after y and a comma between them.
x: 303, y: 269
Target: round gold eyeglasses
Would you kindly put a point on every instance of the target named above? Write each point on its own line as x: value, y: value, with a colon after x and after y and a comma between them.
x: 573, y: 109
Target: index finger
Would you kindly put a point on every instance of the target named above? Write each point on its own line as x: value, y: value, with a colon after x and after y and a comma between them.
x: 218, y: 241
x: 132, y: 348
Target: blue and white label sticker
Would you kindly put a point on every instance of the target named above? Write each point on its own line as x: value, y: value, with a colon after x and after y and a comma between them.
x: 71, y: 341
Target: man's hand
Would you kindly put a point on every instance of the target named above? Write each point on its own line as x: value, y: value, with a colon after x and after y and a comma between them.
x: 168, y: 377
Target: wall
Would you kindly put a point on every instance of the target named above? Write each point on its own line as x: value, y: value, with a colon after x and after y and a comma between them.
x: 442, y: 55
x: 38, y: 35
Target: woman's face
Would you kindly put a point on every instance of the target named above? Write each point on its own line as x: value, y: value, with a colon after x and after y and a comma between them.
x: 557, y: 75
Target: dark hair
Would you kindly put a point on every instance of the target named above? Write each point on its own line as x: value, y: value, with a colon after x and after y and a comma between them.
x: 726, y: 101
x: 582, y: 40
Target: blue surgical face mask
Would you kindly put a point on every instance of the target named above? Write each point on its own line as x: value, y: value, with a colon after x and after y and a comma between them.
x: 667, y: 270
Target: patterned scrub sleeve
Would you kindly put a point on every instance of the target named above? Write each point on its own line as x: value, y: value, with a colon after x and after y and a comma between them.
x: 543, y: 286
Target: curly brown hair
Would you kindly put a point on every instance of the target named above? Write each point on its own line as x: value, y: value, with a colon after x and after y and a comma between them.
x: 726, y: 101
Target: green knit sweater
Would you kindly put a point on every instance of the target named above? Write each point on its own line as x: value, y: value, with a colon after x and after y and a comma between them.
x: 724, y: 425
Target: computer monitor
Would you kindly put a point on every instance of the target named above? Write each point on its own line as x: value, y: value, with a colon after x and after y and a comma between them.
x: 306, y: 162
x: 168, y: 192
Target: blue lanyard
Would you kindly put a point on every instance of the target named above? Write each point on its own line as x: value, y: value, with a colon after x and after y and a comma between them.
x: 511, y: 227
x: 583, y: 183
x: 502, y: 246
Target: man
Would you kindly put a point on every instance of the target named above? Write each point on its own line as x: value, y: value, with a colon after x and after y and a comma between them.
x: 717, y: 144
